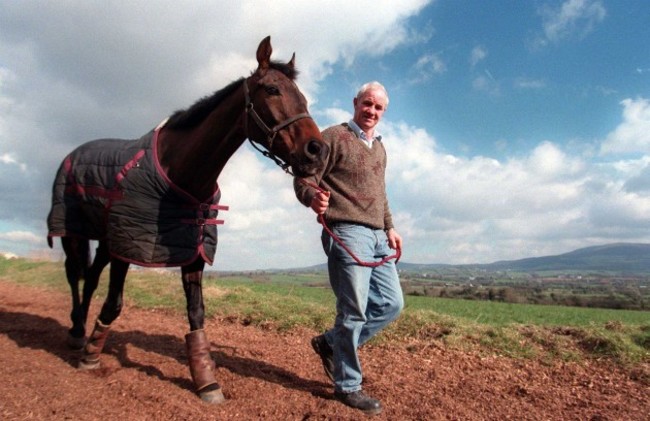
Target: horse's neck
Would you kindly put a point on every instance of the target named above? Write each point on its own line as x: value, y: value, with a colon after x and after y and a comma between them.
x: 193, y: 159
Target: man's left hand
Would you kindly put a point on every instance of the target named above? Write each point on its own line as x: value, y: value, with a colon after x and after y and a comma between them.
x: 394, y: 239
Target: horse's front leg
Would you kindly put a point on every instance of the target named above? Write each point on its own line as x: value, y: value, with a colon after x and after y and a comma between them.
x: 110, y: 311
x: 198, y: 346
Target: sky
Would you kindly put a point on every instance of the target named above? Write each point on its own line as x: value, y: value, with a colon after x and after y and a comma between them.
x: 516, y: 128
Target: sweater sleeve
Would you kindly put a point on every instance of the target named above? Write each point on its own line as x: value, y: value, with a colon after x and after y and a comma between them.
x: 304, y: 191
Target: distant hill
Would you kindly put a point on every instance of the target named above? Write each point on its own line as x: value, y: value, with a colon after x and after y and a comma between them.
x: 619, y: 257
x: 623, y: 258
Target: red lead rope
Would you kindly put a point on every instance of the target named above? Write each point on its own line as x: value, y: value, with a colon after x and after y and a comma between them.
x: 321, y: 219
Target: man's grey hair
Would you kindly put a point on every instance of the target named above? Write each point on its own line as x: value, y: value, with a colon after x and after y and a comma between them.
x: 374, y: 85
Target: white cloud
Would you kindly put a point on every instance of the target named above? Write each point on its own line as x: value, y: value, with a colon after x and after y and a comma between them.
x: 428, y: 66
x: 464, y: 210
x: 26, y: 243
x: 7, y: 158
x: 478, y: 54
x: 574, y: 18
x: 22, y: 237
x: 633, y: 134
x: 526, y: 83
x: 331, y: 116
x: 486, y: 83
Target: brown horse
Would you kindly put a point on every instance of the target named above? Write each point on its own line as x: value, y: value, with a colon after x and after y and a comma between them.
x: 153, y: 201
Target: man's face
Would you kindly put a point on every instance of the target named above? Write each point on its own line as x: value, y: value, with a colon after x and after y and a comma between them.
x: 368, y: 109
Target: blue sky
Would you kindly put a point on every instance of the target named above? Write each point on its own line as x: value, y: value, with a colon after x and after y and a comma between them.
x: 493, y: 78
x: 515, y: 128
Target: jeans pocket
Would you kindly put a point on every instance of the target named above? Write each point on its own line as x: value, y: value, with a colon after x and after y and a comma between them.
x: 352, y: 240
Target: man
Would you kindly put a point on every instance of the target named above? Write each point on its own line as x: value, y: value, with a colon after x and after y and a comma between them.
x: 350, y: 193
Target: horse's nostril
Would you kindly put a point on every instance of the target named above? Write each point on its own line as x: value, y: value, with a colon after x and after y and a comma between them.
x: 316, y: 150
x: 313, y: 148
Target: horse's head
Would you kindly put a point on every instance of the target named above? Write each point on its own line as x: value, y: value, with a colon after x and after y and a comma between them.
x: 277, y: 116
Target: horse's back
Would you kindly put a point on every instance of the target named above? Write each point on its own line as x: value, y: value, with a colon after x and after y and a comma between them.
x: 83, y: 186
x: 96, y: 163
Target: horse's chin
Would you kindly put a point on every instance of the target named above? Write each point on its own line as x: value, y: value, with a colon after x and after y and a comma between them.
x: 305, y: 170
x: 299, y: 172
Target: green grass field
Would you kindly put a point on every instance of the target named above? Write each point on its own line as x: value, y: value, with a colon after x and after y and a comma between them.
x: 285, y: 302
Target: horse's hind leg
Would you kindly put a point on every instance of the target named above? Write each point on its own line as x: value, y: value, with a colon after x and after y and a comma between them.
x: 110, y: 311
x: 198, y: 346
x: 76, y: 261
x: 77, y: 253
x: 91, y: 277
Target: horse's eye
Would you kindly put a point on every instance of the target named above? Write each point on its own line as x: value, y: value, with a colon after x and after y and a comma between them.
x: 272, y: 90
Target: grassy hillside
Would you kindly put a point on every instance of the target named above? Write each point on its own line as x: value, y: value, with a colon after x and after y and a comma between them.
x: 522, y: 331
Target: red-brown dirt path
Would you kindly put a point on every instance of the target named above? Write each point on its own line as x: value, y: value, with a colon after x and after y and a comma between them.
x: 266, y: 375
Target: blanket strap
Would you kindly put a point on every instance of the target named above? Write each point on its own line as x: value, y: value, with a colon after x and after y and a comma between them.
x: 202, y: 221
x: 202, y: 208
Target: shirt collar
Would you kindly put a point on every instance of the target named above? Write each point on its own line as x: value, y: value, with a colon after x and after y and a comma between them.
x: 361, y: 134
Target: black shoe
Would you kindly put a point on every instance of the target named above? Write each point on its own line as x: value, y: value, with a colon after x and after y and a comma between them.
x: 359, y: 400
x: 326, y: 354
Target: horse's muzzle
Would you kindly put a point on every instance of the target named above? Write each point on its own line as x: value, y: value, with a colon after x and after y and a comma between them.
x: 317, y: 151
x: 312, y: 160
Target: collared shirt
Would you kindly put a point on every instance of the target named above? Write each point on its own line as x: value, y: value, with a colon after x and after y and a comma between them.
x: 362, y: 135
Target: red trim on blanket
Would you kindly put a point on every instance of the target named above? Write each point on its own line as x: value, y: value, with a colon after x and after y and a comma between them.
x: 202, y: 221
x: 67, y: 165
x: 110, y: 194
x: 204, y: 256
x: 206, y: 207
x: 132, y: 163
x: 76, y: 188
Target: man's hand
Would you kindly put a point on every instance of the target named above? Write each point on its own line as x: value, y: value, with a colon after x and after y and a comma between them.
x: 394, y: 239
x: 320, y: 202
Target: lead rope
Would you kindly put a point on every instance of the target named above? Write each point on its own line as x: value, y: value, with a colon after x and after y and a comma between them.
x: 321, y: 219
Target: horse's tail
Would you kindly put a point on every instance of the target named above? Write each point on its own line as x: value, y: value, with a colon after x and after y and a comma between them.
x: 49, y: 241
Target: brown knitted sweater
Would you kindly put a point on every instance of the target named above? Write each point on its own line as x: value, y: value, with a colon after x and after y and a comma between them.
x: 354, y: 175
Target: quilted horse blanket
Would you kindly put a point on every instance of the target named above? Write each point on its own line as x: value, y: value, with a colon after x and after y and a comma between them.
x: 116, y: 190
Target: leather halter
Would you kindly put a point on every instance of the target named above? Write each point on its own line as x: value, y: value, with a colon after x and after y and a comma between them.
x: 269, y: 132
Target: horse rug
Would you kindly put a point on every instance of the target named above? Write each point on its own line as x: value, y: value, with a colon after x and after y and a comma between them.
x: 116, y: 190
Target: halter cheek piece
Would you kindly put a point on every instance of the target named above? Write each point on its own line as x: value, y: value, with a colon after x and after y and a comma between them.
x: 269, y: 132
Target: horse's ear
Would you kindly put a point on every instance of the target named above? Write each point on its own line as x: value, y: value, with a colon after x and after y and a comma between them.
x: 264, y: 53
x: 292, y: 62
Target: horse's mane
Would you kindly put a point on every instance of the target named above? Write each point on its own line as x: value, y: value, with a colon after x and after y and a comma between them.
x: 195, y: 114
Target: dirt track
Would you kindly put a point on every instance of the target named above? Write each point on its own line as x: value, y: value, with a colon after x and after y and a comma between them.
x: 270, y: 376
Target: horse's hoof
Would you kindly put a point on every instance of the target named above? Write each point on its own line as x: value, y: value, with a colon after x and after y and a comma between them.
x: 76, y: 344
x: 88, y: 365
x: 213, y: 397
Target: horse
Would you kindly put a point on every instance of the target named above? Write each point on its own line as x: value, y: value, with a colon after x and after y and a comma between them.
x: 154, y: 201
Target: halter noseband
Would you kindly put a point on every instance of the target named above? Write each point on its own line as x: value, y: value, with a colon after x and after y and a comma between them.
x: 269, y: 132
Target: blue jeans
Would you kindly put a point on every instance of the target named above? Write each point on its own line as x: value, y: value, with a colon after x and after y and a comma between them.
x: 367, y: 299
